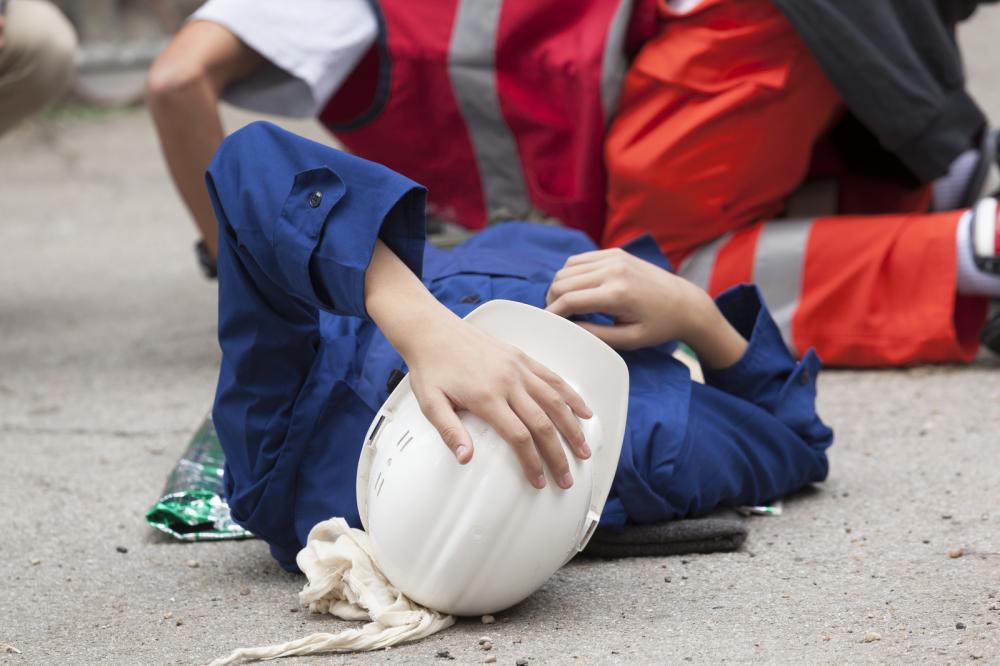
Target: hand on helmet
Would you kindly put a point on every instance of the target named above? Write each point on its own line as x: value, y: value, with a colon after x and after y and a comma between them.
x: 458, y: 367
x: 648, y: 304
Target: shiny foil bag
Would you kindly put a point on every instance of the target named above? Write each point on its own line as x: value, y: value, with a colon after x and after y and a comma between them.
x: 192, y: 506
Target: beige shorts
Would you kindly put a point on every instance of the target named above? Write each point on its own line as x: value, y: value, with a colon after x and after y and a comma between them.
x: 36, y: 59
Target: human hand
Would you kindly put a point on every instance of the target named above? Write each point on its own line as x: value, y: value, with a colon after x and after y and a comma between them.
x: 455, y: 366
x: 649, y: 305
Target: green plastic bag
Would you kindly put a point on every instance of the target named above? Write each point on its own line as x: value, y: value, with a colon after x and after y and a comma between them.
x: 192, y: 506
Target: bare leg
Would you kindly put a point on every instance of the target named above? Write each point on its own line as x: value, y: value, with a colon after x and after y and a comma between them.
x: 183, y: 93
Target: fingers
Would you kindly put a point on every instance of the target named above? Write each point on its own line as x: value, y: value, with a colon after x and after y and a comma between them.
x: 620, y: 336
x: 585, y: 301
x: 556, y: 408
x: 592, y: 256
x: 544, y: 436
x: 562, y: 286
x: 565, y: 391
x: 511, y: 427
x: 440, y: 412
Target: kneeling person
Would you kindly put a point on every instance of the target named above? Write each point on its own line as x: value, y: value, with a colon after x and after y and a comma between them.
x: 327, y: 291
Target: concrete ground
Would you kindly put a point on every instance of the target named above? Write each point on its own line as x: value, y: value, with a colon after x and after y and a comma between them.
x: 107, y: 364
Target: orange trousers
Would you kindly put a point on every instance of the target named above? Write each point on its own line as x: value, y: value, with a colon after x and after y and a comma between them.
x: 717, y: 125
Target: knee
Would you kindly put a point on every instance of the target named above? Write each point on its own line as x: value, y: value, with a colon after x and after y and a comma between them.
x: 43, y: 40
x: 172, y: 79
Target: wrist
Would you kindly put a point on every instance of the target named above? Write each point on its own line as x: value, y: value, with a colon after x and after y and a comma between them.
x: 422, y: 328
x: 717, y: 344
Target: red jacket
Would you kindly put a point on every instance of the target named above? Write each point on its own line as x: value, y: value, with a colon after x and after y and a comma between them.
x: 498, y: 107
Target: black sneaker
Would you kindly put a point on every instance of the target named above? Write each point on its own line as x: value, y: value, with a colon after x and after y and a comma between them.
x: 205, y: 260
x: 985, y: 236
x: 990, y: 335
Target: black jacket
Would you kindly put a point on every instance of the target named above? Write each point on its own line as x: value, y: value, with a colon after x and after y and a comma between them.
x: 899, y: 71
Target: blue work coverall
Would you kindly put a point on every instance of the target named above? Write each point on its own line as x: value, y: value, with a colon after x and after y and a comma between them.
x: 304, y: 369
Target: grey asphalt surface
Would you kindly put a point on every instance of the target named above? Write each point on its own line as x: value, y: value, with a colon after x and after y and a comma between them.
x: 108, y: 362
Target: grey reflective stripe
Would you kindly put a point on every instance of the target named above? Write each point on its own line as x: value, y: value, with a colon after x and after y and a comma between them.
x: 777, y: 269
x: 613, y: 64
x: 472, y: 72
x: 697, y: 268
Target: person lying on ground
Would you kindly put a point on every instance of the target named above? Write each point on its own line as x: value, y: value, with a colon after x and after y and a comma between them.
x: 328, y: 293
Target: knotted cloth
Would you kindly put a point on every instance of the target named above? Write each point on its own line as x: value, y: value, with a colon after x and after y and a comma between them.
x: 345, y: 581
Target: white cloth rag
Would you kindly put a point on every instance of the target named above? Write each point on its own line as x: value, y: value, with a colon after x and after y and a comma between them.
x: 345, y: 580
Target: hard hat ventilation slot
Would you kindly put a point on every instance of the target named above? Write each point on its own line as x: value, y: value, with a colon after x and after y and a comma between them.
x: 403, y: 444
x: 379, y: 482
x: 593, y: 521
x: 377, y: 428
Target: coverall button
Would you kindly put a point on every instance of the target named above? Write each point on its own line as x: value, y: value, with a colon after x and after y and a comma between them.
x: 315, y: 198
x: 471, y: 298
x: 804, y: 376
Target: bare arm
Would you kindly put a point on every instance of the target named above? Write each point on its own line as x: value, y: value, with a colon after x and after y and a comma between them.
x: 650, y: 306
x: 455, y: 366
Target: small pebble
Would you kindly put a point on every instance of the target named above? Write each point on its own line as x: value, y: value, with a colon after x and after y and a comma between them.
x: 488, y: 619
x: 490, y: 659
x: 666, y: 579
x: 168, y: 615
x: 960, y: 625
x: 193, y: 564
x: 946, y: 516
x: 180, y: 621
x: 9, y: 649
x: 827, y: 638
x: 35, y: 561
x: 244, y: 591
x: 521, y: 662
x: 293, y: 610
x: 121, y: 549
x: 516, y: 640
x: 443, y: 654
x: 956, y: 552
x: 487, y: 646
x: 995, y: 606
x: 871, y: 637
x: 484, y: 639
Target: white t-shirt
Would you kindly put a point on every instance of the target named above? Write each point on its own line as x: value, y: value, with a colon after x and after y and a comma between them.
x: 682, y: 6
x: 311, y: 47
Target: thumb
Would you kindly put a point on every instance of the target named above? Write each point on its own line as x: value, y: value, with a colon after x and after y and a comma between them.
x: 440, y: 412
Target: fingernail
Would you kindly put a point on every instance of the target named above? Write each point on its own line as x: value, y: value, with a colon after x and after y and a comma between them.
x: 566, y: 480
x: 585, y: 450
x: 539, y: 481
x: 461, y: 452
x: 588, y: 412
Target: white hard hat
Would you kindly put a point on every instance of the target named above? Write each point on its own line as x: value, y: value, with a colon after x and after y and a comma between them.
x: 477, y: 538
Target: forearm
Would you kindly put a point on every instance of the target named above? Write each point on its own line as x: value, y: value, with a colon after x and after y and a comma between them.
x: 400, y: 304
x: 711, y: 336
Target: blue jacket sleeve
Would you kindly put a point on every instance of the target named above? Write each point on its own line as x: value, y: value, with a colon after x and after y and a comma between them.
x: 297, y: 226
x: 749, y: 435
x: 309, y: 215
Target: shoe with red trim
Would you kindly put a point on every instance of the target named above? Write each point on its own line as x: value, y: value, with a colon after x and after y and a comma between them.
x: 985, y: 236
